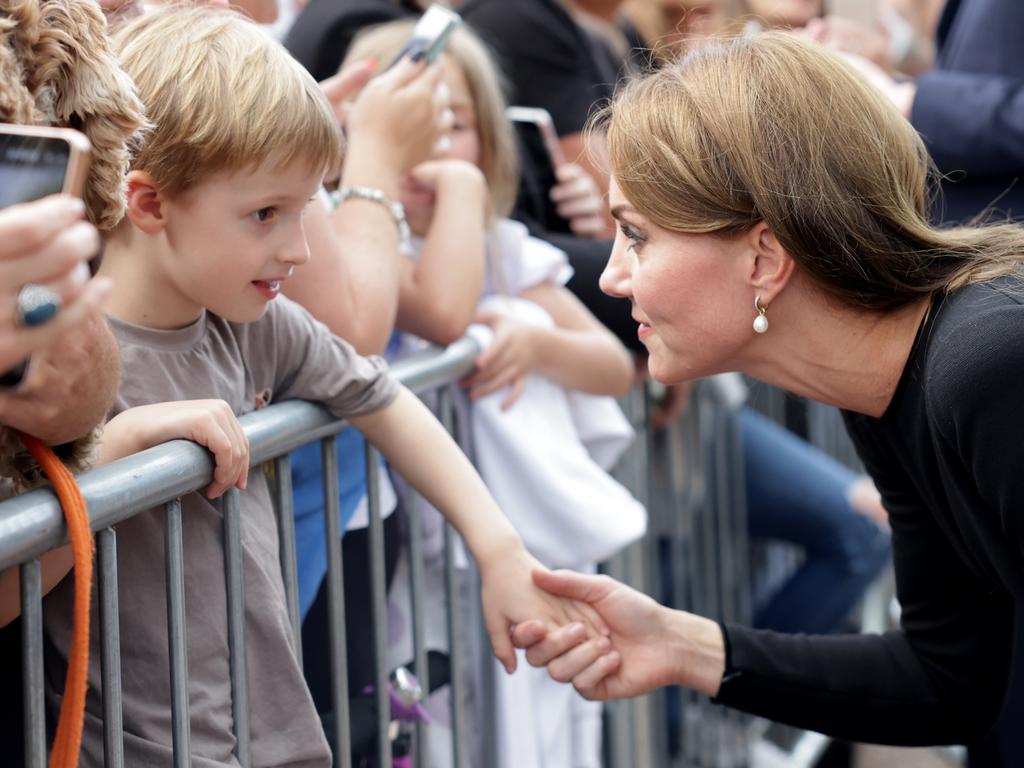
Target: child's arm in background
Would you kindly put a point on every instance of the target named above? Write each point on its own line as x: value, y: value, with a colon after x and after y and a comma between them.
x: 422, y: 451
x: 440, y: 290
x: 351, y: 282
x: 579, y: 353
x: 210, y: 423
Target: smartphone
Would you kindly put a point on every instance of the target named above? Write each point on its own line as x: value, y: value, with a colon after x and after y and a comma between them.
x: 536, y: 129
x: 430, y: 36
x: 37, y: 161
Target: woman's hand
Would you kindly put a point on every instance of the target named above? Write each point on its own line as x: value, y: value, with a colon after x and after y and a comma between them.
x: 506, y: 362
x: 578, y: 200
x: 46, y: 243
x: 652, y: 645
x: 211, y: 423
x: 400, y: 114
x: 509, y: 597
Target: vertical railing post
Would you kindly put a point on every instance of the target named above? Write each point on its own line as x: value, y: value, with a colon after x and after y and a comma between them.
x: 378, y: 601
x: 32, y: 664
x: 235, y: 580
x: 342, y: 743
x: 284, y: 503
x: 451, y: 588
x: 416, y: 577
x: 110, y: 649
x: 176, y: 638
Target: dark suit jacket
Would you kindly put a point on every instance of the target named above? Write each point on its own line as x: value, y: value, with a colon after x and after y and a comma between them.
x: 970, y: 108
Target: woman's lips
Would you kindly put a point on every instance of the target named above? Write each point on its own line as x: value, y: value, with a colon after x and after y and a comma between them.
x: 643, y: 331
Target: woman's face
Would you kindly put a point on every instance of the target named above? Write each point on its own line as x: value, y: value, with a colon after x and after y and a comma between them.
x: 785, y: 13
x: 690, y: 293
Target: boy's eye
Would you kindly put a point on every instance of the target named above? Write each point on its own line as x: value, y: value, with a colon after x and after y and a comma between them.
x: 264, y: 214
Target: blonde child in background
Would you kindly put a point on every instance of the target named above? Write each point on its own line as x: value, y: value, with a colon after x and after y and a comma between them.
x: 241, y: 141
x: 544, y: 428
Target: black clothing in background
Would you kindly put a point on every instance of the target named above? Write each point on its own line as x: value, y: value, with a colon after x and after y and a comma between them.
x: 969, y: 109
x: 947, y: 458
x: 324, y: 30
x: 550, y: 61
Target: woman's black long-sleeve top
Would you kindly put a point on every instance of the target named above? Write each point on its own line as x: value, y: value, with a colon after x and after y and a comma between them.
x: 948, y: 458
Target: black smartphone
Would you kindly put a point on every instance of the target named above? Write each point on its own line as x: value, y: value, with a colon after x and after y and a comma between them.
x: 38, y: 161
x: 431, y: 34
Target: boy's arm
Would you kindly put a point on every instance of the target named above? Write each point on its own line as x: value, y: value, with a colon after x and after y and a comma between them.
x: 211, y: 423
x: 422, y: 451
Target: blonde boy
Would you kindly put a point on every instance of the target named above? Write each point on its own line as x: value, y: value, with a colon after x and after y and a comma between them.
x: 240, y: 142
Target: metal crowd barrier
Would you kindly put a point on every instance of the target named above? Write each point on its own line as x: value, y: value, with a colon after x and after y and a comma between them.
x: 695, y: 557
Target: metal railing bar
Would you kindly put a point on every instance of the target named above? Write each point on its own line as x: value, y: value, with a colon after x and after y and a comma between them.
x: 416, y: 577
x: 447, y: 417
x: 378, y: 601
x: 336, y: 605
x: 33, y: 523
x: 110, y: 648
x: 177, y: 646
x: 284, y: 504
x: 234, y: 577
x: 32, y: 664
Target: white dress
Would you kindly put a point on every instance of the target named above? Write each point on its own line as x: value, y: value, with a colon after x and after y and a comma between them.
x: 545, y: 460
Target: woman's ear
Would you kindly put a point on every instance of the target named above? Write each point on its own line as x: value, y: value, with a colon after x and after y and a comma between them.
x: 145, y: 203
x: 771, y: 267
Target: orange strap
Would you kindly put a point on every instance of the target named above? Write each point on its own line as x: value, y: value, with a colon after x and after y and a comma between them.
x: 68, y: 742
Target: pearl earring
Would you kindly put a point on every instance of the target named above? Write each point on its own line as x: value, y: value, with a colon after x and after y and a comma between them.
x: 760, y: 322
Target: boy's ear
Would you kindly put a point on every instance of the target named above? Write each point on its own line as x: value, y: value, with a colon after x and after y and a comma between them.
x: 770, y: 265
x: 145, y: 203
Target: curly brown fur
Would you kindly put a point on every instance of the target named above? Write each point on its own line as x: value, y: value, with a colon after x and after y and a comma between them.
x: 70, y: 73
x: 57, y: 67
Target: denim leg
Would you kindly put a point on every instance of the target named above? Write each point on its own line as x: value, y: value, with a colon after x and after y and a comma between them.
x: 798, y: 494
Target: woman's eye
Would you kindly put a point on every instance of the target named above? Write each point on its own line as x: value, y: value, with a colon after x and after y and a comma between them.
x: 635, y: 238
x: 264, y: 214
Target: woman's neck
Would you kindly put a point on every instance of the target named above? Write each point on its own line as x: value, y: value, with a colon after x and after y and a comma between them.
x: 847, y: 358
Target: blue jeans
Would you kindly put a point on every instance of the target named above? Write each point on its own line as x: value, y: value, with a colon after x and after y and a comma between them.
x: 799, y: 495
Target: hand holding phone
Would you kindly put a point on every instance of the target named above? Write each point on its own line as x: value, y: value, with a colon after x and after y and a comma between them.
x: 430, y: 36
x: 44, y: 243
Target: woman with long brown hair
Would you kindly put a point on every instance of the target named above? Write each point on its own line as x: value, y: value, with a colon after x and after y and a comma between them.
x: 772, y: 212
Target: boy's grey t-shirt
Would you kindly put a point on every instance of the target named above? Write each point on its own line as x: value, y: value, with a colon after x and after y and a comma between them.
x: 286, y: 354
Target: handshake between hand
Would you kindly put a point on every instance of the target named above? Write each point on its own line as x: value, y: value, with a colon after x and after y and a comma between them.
x: 642, y: 646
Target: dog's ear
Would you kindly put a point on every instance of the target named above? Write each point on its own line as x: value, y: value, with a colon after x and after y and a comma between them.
x: 17, y: 101
x: 80, y: 79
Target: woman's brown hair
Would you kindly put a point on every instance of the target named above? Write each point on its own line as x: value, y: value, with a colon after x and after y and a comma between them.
x: 773, y: 128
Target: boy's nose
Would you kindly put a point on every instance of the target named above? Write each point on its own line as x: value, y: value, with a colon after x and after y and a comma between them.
x: 296, y: 253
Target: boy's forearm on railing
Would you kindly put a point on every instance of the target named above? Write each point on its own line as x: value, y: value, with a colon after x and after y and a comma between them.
x: 416, y: 445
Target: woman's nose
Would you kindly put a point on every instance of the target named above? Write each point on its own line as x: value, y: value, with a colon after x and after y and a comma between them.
x: 617, y: 275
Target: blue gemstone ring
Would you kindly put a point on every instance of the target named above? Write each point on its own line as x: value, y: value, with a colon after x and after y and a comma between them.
x: 36, y: 305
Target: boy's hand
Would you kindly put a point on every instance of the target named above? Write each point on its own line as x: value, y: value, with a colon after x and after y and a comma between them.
x: 510, y: 597
x: 641, y: 631
x: 211, y: 423
x: 506, y: 362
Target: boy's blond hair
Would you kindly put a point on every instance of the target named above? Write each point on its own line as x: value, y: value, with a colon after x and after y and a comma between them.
x: 498, y: 159
x: 221, y: 96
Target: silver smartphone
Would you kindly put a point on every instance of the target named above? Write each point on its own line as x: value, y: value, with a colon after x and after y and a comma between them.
x: 430, y: 36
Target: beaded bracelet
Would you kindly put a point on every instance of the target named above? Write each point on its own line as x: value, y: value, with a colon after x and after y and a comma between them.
x: 396, y: 209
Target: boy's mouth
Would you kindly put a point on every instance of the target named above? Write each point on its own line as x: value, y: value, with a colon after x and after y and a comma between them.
x: 269, y: 288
